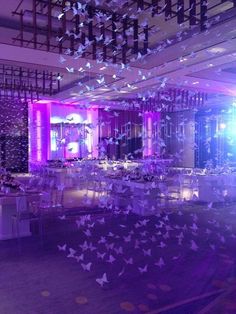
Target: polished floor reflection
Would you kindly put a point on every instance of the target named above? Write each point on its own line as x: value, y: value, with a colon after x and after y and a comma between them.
x: 180, y: 261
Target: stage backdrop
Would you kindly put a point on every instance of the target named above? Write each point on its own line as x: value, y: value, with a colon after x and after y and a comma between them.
x: 62, y: 131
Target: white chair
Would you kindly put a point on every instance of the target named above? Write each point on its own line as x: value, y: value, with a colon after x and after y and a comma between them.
x: 59, y: 201
x: 121, y: 194
x: 45, y: 203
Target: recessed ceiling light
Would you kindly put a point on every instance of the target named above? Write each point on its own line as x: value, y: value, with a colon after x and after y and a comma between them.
x: 234, y: 104
x: 222, y: 125
x: 216, y: 50
x: 42, y: 101
x: 104, y: 89
x: 195, y: 83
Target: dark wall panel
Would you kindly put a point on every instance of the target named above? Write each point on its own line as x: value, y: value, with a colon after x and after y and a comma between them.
x: 14, y: 135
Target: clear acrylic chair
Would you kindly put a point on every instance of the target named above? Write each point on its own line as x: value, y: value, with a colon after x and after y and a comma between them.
x: 59, y: 200
x: 25, y: 212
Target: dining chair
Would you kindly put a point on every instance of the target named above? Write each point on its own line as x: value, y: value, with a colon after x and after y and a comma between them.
x: 59, y: 200
x: 45, y: 203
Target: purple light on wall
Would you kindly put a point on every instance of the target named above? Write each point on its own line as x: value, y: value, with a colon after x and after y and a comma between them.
x: 43, y: 146
x: 39, y: 130
x: 38, y: 135
x: 150, y: 133
x: 92, y: 118
x: 66, y: 131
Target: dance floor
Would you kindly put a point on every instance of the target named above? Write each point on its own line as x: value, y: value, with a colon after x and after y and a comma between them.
x: 178, y: 262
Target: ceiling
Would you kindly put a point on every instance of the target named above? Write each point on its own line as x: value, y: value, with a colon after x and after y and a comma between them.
x: 179, y: 56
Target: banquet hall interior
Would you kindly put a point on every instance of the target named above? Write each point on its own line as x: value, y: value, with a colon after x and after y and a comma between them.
x: 117, y: 156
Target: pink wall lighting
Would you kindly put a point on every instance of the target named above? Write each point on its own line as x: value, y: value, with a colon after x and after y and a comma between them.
x: 44, y: 146
x: 151, y: 125
x: 38, y: 135
x: 92, y: 117
x: 39, y: 129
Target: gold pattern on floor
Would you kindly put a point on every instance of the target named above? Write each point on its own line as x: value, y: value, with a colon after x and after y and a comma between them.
x: 143, y: 308
x: 127, y: 306
x: 152, y: 297
x: 165, y: 288
x: 81, y: 300
x: 45, y: 293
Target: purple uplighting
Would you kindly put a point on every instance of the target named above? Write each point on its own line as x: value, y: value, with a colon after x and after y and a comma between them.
x: 117, y: 157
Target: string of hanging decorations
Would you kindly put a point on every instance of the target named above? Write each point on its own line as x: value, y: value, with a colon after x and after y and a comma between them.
x: 68, y: 27
x: 105, y: 34
x: 168, y: 101
x: 18, y: 82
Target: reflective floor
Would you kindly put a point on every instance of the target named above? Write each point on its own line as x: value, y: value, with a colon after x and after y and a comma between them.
x: 181, y: 261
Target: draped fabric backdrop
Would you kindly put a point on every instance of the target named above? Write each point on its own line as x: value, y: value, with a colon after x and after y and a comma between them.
x: 120, y: 134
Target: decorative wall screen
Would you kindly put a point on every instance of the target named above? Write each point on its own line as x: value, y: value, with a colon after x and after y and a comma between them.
x: 69, y: 140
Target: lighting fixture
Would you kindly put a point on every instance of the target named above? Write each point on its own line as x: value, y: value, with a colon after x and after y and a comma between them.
x: 105, y: 89
x: 222, y: 126
x: 216, y: 50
